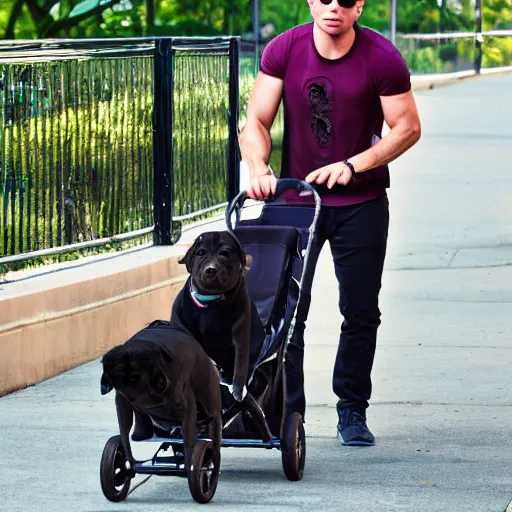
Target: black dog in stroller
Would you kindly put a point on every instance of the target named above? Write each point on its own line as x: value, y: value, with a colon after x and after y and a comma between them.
x: 263, y: 415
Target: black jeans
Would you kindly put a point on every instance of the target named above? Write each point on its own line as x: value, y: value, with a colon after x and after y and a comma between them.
x: 358, y: 236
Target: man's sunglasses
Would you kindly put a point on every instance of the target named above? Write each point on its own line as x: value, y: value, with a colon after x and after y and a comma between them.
x: 342, y: 3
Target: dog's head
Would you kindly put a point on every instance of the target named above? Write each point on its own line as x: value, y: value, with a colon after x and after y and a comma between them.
x: 136, y: 371
x: 216, y: 261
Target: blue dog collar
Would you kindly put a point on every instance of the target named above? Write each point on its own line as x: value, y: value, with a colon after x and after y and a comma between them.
x: 201, y: 300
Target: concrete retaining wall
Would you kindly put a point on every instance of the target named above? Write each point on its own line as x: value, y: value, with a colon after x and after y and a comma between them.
x: 80, y: 313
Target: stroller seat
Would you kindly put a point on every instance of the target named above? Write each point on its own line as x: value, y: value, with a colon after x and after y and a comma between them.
x: 272, y: 249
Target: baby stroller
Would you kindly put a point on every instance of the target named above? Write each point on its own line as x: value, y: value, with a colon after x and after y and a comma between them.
x: 278, y: 241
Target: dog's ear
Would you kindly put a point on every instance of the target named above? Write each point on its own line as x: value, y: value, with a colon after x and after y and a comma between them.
x: 106, y: 385
x: 248, y: 262
x: 243, y: 257
x: 188, y: 259
x: 239, y: 249
x: 165, y: 355
x: 159, y: 381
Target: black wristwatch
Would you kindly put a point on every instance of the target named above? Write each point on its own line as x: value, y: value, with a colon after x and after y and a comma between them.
x: 351, y: 167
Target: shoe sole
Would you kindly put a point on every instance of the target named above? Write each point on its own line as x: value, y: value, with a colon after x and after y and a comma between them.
x: 353, y: 443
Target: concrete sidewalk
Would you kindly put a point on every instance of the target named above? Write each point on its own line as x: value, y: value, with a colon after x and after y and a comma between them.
x: 442, y: 405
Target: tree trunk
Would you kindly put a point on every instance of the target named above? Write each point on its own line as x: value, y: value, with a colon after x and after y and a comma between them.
x: 442, y: 18
x: 15, y: 13
x: 150, y: 10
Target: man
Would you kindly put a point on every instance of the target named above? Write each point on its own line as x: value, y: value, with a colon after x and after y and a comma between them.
x: 339, y: 82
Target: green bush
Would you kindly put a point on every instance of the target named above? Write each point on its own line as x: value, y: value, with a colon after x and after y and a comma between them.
x: 76, y: 147
x: 497, y: 52
x: 424, y: 60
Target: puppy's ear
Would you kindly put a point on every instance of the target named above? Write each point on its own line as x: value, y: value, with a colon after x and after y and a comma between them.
x: 188, y: 259
x: 106, y: 385
x: 248, y: 262
x: 159, y: 381
x: 243, y: 256
x: 165, y: 355
x: 238, y: 246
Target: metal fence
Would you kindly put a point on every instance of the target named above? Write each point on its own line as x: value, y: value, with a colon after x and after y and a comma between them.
x: 105, y: 140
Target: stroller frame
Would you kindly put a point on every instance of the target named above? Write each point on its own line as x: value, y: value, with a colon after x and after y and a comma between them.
x: 115, y: 471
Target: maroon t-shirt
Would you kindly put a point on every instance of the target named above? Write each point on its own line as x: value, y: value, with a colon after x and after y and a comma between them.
x: 332, y: 107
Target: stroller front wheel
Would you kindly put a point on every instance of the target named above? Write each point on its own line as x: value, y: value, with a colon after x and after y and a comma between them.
x: 114, y: 475
x: 293, y: 447
x: 203, y: 475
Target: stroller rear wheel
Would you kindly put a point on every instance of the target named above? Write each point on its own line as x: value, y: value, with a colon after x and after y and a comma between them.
x: 114, y: 475
x: 204, y: 472
x: 293, y: 447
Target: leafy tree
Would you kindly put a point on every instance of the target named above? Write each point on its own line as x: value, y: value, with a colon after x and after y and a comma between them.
x: 50, y: 18
x: 123, y: 18
x: 497, y: 14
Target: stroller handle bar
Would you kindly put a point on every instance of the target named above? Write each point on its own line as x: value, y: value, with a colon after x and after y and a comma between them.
x: 282, y: 185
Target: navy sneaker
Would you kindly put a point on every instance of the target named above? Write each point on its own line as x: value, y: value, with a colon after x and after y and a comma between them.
x: 352, y: 429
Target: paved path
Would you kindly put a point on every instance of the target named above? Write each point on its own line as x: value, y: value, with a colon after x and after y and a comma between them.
x: 442, y: 404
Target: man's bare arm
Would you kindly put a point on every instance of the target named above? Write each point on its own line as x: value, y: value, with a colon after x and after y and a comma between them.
x: 401, y: 115
x: 255, y: 143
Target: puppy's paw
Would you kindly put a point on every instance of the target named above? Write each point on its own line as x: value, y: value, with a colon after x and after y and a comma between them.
x: 238, y: 392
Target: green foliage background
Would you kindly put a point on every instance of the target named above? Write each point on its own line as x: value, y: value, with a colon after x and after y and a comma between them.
x: 28, y: 19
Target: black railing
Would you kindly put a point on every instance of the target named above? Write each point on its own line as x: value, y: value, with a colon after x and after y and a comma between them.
x: 104, y: 140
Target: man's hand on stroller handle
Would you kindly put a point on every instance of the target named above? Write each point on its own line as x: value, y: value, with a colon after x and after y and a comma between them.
x: 338, y: 173
x: 262, y: 184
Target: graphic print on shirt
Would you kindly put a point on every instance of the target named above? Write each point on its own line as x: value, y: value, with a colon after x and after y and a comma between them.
x: 319, y: 92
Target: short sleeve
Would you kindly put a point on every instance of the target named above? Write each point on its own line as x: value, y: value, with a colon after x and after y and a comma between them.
x: 275, y: 56
x: 391, y: 74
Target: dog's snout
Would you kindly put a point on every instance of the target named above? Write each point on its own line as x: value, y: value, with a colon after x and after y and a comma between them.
x: 210, y: 271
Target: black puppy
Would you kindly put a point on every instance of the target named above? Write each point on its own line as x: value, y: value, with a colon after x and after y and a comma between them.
x: 162, y: 373
x: 214, y: 305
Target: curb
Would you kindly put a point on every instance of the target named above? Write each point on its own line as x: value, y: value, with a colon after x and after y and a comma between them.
x: 426, y: 82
